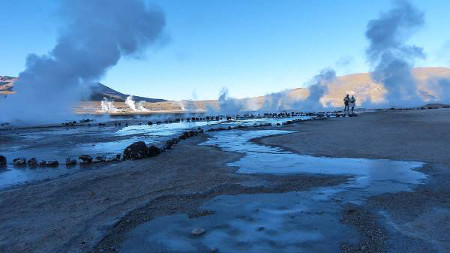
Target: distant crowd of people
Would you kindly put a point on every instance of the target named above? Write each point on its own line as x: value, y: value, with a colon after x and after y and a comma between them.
x: 349, y: 103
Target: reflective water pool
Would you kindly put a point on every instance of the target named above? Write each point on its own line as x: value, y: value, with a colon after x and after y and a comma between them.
x: 307, y: 221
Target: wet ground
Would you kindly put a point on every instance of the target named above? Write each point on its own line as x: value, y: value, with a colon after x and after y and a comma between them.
x: 307, y: 221
x: 134, y: 205
x: 58, y: 143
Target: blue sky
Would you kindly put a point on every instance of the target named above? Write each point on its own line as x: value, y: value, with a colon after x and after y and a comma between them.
x: 252, y: 47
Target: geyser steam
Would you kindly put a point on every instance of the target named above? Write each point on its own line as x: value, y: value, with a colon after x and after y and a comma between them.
x: 108, y: 106
x: 392, y: 58
x: 98, y: 33
x: 135, y: 107
x: 317, y: 89
x: 228, y: 105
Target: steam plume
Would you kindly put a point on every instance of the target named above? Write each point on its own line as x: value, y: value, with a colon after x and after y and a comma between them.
x: 228, y: 105
x: 317, y: 88
x: 391, y: 57
x: 108, y: 106
x: 130, y: 102
x: 136, y: 107
x: 141, y: 107
x: 98, y: 33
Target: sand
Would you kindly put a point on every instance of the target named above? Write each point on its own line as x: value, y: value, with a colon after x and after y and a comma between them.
x: 93, y: 210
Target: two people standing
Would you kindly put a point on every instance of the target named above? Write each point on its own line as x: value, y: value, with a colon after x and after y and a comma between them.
x: 349, y: 102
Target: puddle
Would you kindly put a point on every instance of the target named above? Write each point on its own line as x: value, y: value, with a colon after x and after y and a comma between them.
x: 247, y: 223
x: 306, y: 221
x: 371, y: 175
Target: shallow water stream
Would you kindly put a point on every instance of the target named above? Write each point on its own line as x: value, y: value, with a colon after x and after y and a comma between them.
x: 58, y: 143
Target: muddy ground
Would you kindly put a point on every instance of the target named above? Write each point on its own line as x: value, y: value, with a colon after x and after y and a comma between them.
x: 93, y: 210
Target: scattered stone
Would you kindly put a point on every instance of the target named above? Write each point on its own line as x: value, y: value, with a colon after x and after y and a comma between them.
x: 86, y: 159
x: 53, y: 163
x: 99, y: 159
x: 32, y: 162
x: 261, y: 229
x: 137, y: 150
x: 170, y: 143
x: 118, y: 156
x: 153, y: 151
x: 198, y: 231
x: 19, y: 161
x: 3, y: 160
x: 71, y: 161
x: 42, y: 163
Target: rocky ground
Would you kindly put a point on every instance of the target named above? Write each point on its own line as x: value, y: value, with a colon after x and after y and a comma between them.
x: 93, y: 210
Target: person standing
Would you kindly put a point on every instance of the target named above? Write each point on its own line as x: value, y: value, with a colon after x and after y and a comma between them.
x: 352, y: 103
x: 346, y: 103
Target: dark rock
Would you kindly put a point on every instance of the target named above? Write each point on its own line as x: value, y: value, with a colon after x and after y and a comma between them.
x: 52, y: 163
x: 42, y: 163
x: 86, y: 158
x: 3, y: 160
x: 32, y: 162
x: 169, y: 143
x: 71, y: 161
x: 100, y: 159
x: 19, y: 161
x: 153, y: 151
x: 137, y: 150
x: 184, y: 136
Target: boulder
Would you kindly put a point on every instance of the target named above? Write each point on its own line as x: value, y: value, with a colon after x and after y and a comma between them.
x: 71, y: 161
x: 19, y: 161
x: 137, y: 150
x: 115, y: 158
x: 169, y: 143
x: 3, y: 160
x: 153, y: 151
x: 42, y: 163
x: 32, y: 162
x: 86, y: 159
x: 99, y: 159
x: 184, y: 136
x: 52, y: 163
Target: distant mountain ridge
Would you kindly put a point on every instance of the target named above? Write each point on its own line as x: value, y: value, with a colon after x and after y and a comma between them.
x: 360, y: 84
x: 98, y: 92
